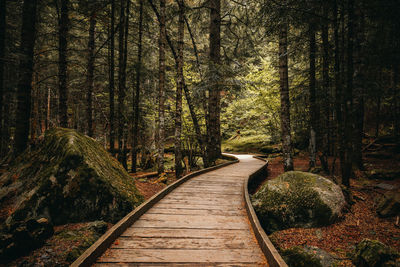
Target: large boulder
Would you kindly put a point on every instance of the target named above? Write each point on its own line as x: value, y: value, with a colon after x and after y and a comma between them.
x: 389, y: 205
x: 308, y: 256
x: 298, y: 199
x: 67, y: 177
x: 372, y: 253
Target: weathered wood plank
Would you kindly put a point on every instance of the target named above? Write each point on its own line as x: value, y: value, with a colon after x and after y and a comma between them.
x: 200, y: 212
x: 182, y: 255
x: 229, y: 242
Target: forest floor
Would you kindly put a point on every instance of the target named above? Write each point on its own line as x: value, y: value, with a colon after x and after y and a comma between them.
x: 360, y: 220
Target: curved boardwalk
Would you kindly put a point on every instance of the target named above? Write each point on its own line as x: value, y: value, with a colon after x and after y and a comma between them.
x: 201, y: 223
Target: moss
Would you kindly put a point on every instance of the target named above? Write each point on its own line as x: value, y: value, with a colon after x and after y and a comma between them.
x: 372, y: 253
x: 297, y: 257
x: 292, y: 200
x: 69, y: 170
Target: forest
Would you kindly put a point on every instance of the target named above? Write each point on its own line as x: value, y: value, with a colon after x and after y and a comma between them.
x: 167, y: 87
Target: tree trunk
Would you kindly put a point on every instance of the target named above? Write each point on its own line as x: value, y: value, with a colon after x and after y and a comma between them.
x: 3, y: 141
x: 121, y: 83
x: 396, y: 112
x: 161, y: 91
x: 25, y: 76
x: 348, y: 100
x: 313, y: 104
x: 213, y: 129
x: 179, y: 87
x: 285, y: 100
x: 90, y: 74
x: 136, y: 92
x: 62, y: 64
x: 359, y: 90
x: 111, y: 83
x: 326, y: 126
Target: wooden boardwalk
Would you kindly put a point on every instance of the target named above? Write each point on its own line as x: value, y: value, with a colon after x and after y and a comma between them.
x: 201, y: 223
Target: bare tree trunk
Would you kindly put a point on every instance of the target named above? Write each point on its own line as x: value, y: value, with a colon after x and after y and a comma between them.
x: 396, y: 112
x: 326, y: 126
x: 179, y: 87
x: 359, y: 90
x: 348, y: 98
x: 161, y: 91
x: 111, y: 83
x: 136, y: 92
x: 3, y: 141
x: 285, y: 100
x: 121, y: 83
x: 213, y: 129
x: 24, y: 88
x: 313, y: 104
x: 90, y: 74
x: 62, y: 64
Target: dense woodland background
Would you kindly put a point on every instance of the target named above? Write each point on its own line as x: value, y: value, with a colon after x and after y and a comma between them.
x: 146, y: 77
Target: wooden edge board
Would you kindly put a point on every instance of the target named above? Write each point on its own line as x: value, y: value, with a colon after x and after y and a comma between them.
x: 273, y: 257
x: 100, y: 246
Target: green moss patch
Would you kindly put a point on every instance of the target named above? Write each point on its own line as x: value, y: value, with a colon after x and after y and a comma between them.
x: 297, y: 199
x: 68, y: 177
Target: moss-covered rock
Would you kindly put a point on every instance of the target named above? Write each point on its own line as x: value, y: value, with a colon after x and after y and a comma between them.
x: 298, y: 199
x: 67, y: 177
x: 389, y: 205
x: 372, y: 253
x: 297, y: 257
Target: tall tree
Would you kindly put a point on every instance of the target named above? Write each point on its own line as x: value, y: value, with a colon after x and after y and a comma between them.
x: 3, y: 10
x: 121, y: 82
x: 90, y: 73
x: 285, y: 100
x: 214, y: 106
x: 136, y: 92
x: 313, y: 108
x: 161, y: 90
x: 24, y: 88
x: 111, y: 82
x: 348, y: 100
x: 62, y: 64
x: 179, y: 87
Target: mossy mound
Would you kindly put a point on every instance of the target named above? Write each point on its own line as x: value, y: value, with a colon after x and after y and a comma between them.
x: 67, y: 177
x: 372, y: 253
x: 298, y: 199
x: 297, y: 257
x: 389, y: 205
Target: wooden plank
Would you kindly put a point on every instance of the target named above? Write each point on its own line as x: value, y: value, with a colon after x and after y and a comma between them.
x: 191, y: 221
x: 174, y: 264
x: 201, y: 212
x: 182, y: 255
x: 231, y: 242
x: 184, y: 233
x: 200, y: 206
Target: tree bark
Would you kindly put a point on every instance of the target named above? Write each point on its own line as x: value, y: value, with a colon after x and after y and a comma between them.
x: 161, y: 91
x: 3, y: 141
x: 90, y: 74
x: 313, y: 104
x: 121, y: 83
x: 179, y: 87
x: 62, y: 64
x: 111, y: 83
x: 213, y: 129
x: 285, y: 100
x: 24, y: 88
x: 348, y: 98
x: 136, y: 93
x: 326, y: 126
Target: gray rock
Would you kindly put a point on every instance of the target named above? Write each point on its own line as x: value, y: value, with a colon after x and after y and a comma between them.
x: 386, y: 186
x: 298, y: 199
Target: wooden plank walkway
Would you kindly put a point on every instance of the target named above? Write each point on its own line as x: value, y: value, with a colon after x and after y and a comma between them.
x: 201, y: 223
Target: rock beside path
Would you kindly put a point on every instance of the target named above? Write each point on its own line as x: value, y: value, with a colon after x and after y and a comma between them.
x: 298, y: 199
